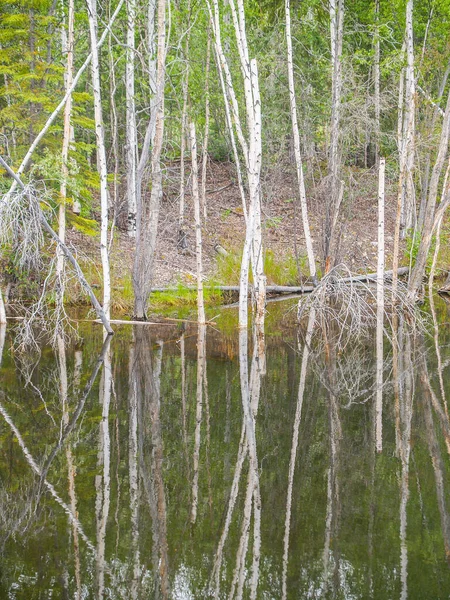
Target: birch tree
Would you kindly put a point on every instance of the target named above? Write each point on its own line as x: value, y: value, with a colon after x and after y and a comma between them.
x: 297, y: 150
x: 148, y: 209
x: 131, y: 130
x: 336, y: 8
x: 101, y: 155
x: 253, y: 250
x: 67, y: 47
x: 407, y: 132
x: 376, y: 81
x: 182, y: 241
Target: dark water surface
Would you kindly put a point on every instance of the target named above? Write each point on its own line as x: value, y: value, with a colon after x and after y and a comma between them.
x: 171, y: 471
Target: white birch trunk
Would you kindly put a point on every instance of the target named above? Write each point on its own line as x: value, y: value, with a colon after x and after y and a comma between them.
x: 297, y: 150
x: 336, y: 9
x: 206, y: 133
x: 182, y: 241
x: 67, y: 47
x: 198, y: 225
x: 376, y: 81
x: 408, y: 210
x: 229, y: 118
x: 2, y: 340
x: 131, y: 130
x: 148, y: 212
x: 101, y: 156
x: 380, y: 310
x: 2, y: 310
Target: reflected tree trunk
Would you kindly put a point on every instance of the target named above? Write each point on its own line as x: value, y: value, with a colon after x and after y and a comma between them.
x: 333, y: 499
x: 103, y: 481
x: 63, y: 394
x: 298, y: 414
x: 435, y: 454
x: 405, y: 416
x: 201, y: 374
x: 146, y: 376
x: 134, y: 480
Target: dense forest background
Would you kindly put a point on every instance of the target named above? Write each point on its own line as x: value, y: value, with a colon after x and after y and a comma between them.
x: 370, y: 79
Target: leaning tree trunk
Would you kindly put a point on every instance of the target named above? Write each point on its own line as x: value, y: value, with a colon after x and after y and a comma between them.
x: 27, y: 158
x: 148, y: 213
x: 432, y: 215
x: 298, y: 156
x: 101, y: 156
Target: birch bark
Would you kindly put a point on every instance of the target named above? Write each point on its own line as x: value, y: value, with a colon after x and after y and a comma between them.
x: 148, y: 212
x: 336, y: 8
x: 101, y: 156
x: 376, y: 81
x: 67, y: 47
x: 131, y: 130
x: 380, y: 308
x: 297, y: 150
x: 182, y: 240
x: 206, y: 133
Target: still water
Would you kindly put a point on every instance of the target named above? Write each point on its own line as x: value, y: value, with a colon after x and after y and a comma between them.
x: 189, y: 463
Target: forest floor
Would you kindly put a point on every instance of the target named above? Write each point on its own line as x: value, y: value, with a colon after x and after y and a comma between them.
x: 281, y: 222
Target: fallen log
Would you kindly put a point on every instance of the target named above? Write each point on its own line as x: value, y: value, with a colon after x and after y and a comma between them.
x: 289, y: 289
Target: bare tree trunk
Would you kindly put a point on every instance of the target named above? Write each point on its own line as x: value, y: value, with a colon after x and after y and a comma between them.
x: 101, y: 156
x: 113, y: 122
x: 182, y: 240
x: 131, y: 130
x: 201, y: 343
x: 67, y: 47
x: 148, y: 213
x: 229, y: 100
x: 380, y: 309
x: 2, y: 310
x: 431, y: 126
x: 298, y: 156
x: 2, y: 340
x: 206, y: 133
x: 334, y: 159
x: 198, y: 226
x: 407, y: 150
x: 376, y: 81
x: 433, y: 215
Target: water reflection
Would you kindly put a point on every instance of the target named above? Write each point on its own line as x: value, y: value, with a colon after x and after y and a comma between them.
x: 182, y: 462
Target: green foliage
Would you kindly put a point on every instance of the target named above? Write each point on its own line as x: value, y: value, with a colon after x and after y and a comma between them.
x: 413, y: 240
x: 182, y: 296
x: 279, y: 270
